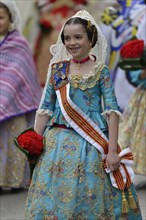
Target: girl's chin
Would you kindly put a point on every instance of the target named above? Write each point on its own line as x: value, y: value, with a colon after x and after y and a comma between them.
x: 75, y: 55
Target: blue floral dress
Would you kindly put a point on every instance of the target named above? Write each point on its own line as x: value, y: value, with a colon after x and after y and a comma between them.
x: 69, y: 181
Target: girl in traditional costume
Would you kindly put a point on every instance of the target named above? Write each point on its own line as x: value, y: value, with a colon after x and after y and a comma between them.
x: 20, y: 95
x: 82, y: 172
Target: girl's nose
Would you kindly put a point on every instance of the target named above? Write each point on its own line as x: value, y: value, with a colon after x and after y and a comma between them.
x: 72, y: 41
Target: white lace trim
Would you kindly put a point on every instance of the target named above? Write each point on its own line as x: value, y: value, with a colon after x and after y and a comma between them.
x: 107, y: 112
x: 43, y: 112
x: 91, y: 74
x: 88, y: 80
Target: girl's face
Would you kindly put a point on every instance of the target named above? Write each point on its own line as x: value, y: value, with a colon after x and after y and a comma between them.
x: 76, y: 41
x: 4, y: 21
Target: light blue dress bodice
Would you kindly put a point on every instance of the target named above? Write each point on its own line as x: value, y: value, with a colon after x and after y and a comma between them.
x: 95, y: 99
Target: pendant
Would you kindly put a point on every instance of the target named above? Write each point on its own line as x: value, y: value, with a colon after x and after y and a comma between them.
x: 78, y: 66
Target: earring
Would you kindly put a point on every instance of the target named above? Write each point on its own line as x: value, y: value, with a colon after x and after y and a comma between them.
x: 11, y: 27
x: 90, y: 46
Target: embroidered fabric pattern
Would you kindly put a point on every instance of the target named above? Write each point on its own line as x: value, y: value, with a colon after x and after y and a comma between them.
x: 64, y: 173
x: 98, y: 195
x: 87, y: 80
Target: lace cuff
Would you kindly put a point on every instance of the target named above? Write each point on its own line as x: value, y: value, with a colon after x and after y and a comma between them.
x: 107, y: 112
x: 43, y: 112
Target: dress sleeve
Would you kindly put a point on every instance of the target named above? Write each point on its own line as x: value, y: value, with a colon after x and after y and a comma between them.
x: 108, y: 94
x: 135, y: 77
x: 48, y: 100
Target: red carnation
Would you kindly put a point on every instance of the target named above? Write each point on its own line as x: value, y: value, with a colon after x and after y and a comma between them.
x: 31, y: 144
x: 132, y: 55
x: 132, y: 49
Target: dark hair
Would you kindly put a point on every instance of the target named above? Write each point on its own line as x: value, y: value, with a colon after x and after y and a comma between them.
x: 5, y: 7
x: 90, y: 29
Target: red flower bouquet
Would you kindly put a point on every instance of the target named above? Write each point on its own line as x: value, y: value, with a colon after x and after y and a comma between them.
x: 31, y: 144
x: 133, y: 55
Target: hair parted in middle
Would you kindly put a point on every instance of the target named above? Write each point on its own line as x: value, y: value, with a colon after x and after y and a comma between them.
x: 87, y: 25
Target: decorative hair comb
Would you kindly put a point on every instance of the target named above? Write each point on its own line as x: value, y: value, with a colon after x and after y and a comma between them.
x: 89, y: 25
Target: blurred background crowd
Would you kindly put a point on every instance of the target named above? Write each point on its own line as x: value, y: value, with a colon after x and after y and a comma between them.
x: 41, y: 23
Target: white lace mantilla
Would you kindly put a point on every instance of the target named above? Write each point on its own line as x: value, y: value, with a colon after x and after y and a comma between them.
x: 59, y: 51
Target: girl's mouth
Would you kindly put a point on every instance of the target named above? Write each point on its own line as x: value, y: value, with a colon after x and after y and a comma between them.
x: 74, y: 49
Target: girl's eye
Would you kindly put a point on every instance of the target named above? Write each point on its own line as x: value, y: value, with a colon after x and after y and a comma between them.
x: 66, y: 38
x: 78, y: 37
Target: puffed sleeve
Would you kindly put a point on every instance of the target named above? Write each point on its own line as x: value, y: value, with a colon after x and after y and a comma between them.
x: 47, y: 104
x: 108, y: 94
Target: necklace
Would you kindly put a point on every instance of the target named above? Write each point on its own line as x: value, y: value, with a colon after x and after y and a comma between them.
x: 81, y: 61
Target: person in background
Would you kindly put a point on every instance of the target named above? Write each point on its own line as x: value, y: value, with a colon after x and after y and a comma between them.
x: 73, y: 176
x: 120, y: 24
x: 20, y: 94
x: 132, y: 131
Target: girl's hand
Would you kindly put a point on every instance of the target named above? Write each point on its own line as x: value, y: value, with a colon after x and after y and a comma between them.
x: 112, y: 161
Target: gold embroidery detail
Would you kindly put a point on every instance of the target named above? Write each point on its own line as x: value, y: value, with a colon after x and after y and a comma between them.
x: 65, y: 193
x: 55, y: 70
x: 63, y: 76
x: 83, y: 82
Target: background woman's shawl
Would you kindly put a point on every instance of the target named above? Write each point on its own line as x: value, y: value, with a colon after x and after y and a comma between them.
x: 20, y: 91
